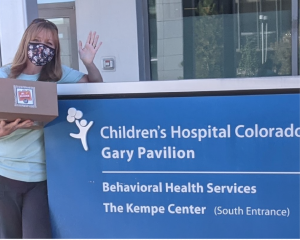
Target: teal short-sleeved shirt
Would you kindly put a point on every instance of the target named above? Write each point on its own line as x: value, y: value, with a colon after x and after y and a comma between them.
x: 22, y: 155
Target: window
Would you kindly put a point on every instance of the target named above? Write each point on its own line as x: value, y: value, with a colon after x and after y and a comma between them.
x: 63, y: 15
x: 194, y: 39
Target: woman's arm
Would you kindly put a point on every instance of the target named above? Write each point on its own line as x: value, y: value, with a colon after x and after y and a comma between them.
x: 87, y: 55
x: 94, y: 75
x: 8, y: 128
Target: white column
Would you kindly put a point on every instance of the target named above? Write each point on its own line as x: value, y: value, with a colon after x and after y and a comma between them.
x: 115, y: 22
x: 12, y: 26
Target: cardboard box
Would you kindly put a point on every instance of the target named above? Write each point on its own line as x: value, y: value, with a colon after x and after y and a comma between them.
x: 32, y: 100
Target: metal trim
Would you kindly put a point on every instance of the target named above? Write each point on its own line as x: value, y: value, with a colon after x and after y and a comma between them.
x: 31, y: 11
x: 181, y: 86
x: 143, y: 39
x: 295, y: 33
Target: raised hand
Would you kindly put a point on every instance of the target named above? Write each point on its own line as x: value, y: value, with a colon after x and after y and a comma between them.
x: 8, y: 128
x: 88, y: 52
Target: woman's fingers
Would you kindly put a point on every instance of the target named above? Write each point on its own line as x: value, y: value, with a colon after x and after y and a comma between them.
x: 12, y: 124
x: 18, y: 124
x: 99, y: 45
x: 8, y: 128
x: 2, y: 123
x: 92, y: 40
x: 88, y: 52
x: 25, y: 124
x: 88, y: 40
x: 80, y: 46
x: 95, y: 41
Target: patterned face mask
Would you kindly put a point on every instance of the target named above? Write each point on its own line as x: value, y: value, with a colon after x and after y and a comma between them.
x: 40, y: 54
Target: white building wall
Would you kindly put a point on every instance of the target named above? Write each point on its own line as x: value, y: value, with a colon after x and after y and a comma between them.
x: 12, y: 26
x: 115, y: 22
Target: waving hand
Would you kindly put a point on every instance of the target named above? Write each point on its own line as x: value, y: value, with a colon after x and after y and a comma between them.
x: 88, y: 52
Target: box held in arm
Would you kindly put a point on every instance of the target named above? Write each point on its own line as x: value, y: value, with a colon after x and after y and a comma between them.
x: 32, y: 100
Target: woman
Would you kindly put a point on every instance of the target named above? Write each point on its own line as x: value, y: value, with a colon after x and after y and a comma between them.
x: 24, y: 209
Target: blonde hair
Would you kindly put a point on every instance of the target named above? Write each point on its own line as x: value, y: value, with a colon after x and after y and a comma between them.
x: 52, y: 71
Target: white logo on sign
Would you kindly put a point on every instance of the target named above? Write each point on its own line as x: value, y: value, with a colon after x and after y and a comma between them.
x: 74, y: 116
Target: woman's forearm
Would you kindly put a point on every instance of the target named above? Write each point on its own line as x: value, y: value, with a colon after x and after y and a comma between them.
x: 94, y: 74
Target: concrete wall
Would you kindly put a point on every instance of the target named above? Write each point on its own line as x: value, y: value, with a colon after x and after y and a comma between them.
x: 13, y: 22
x: 115, y: 22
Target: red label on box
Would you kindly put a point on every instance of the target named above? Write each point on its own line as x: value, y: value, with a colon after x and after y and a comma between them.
x: 24, y: 96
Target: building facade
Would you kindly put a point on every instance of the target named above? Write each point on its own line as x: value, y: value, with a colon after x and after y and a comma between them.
x: 168, y: 39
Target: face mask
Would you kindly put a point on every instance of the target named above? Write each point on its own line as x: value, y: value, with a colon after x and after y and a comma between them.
x: 40, y: 54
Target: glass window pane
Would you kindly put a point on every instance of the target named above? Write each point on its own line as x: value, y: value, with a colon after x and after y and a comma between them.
x: 63, y: 26
x: 219, y: 38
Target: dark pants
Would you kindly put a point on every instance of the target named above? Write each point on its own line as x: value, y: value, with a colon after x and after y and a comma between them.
x: 24, y: 211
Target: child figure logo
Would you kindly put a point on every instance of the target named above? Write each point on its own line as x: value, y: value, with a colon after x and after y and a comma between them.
x: 74, y: 116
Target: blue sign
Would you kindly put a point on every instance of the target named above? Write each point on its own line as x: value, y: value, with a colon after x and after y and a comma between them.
x: 178, y: 167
